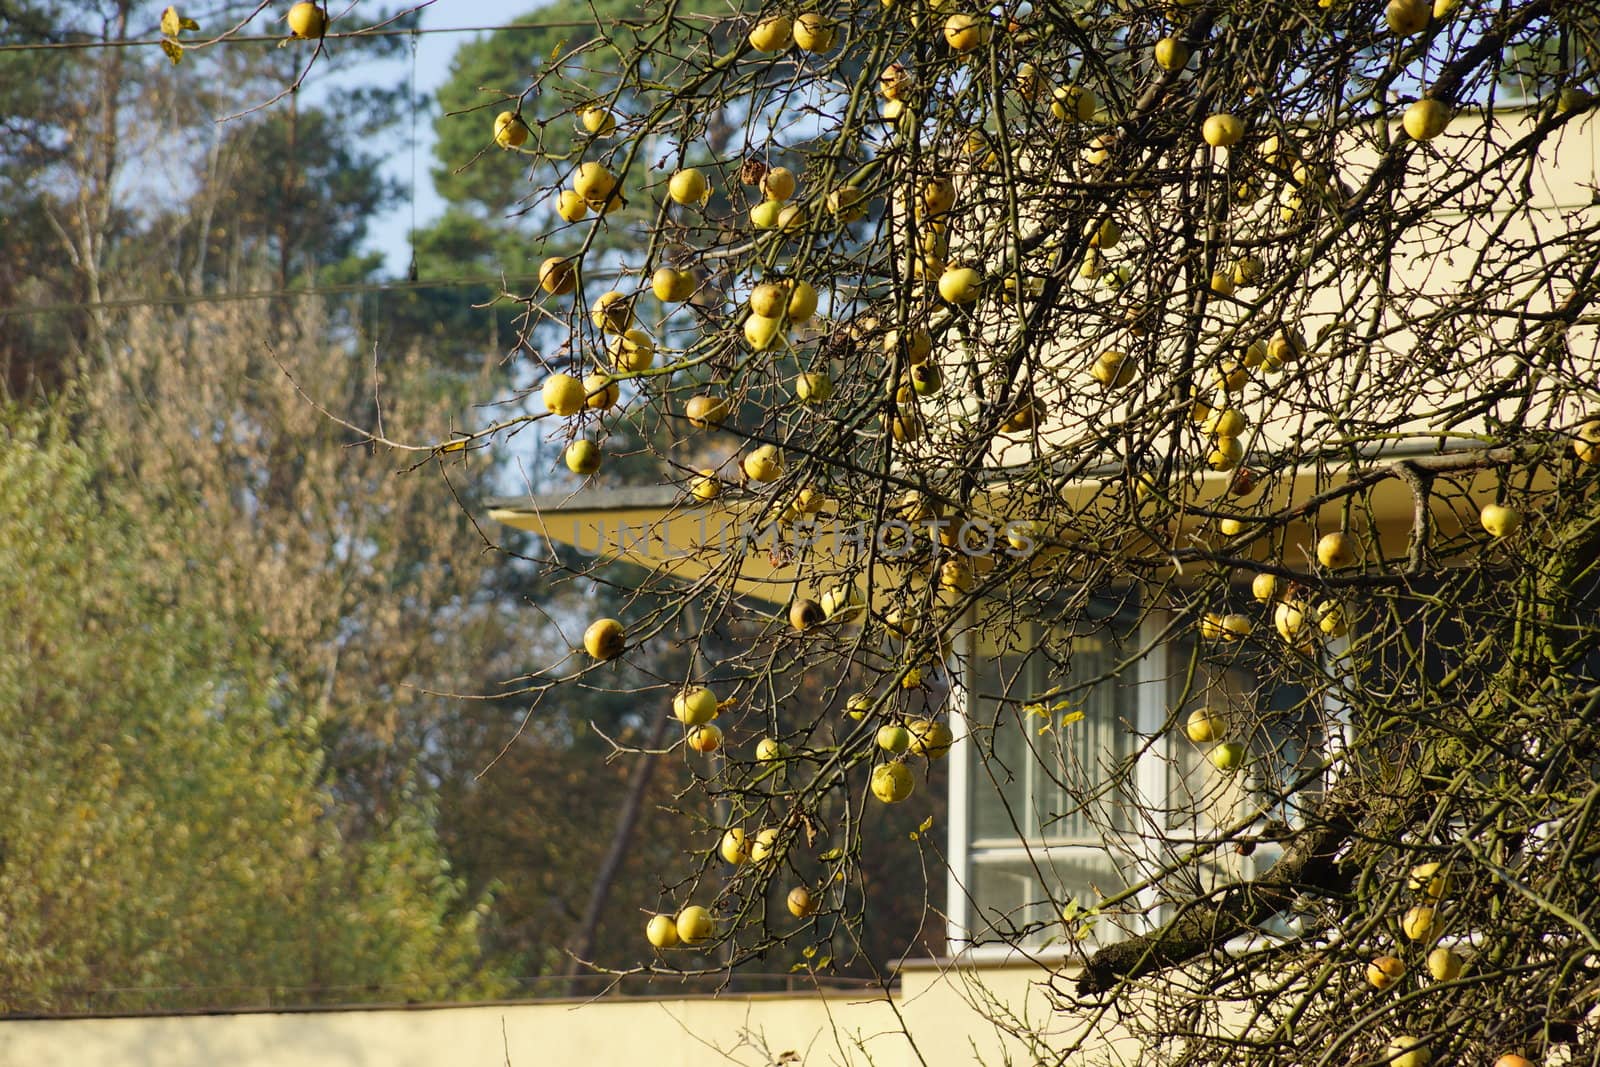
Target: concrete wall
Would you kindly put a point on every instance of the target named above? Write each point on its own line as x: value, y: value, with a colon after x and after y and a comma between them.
x: 945, y: 1012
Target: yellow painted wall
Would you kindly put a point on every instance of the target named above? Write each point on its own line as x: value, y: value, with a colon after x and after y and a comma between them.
x: 943, y: 1010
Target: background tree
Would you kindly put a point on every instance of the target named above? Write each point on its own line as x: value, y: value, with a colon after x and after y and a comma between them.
x: 171, y: 838
x: 1140, y: 292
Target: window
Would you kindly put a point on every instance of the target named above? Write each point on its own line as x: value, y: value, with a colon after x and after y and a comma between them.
x: 1075, y: 780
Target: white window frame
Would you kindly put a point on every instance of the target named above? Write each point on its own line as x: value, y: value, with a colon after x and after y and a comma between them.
x: 1150, y: 785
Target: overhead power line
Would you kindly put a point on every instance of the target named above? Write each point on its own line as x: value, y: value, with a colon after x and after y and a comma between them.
x: 273, y: 38
x: 181, y: 299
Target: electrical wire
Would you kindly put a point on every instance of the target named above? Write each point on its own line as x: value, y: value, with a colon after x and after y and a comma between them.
x: 274, y: 38
x: 182, y: 299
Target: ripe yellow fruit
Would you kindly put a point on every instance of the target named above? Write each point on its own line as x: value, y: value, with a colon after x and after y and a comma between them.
x: 704, y: 739
x: 695, y: 706
x: 843, y: 602
x: 763, y: 465
x: 661, y: 931
x: 509, y: 129
x: 1113, y: 369
x: 801, y: 903
x: 938, y: 196
x: 1073, y: 103
x: 563, y: 394
x: 1204, y: 726
x: 632, y: 352
x: 847, y: 203
x: 1330, y: 619
x: 764, y: 846
x: 593, y: 182
x: 611, y: 312
x: 858, y: 705
x: 1289, y: 619
x: 571, y: 207
x: 1406, y: 17
x: 1385, y: 971
x: 706, y: 487
x: 772, y: 34
x: 1106, y: 235
x: 778, y: 184
x: 1221, y: 283
x: 1421, y: 924
x: 1171, y: 54
x: 1511, y: 1059
x: 1499, y: 520
x: 307, y: 20
x: 804, y: 614
x: 1429, y: 878
x: 688, y: 186
x: 1407, y: 1051
x: 600, y: 391
x: 769, y: 299
x: 706, y: 412
x: 1227, y: 757
x: 1425, y: 119
x: 1247, y: 270
x: 892, y: 782
x: 762, y: 333
x: 734, y: 848
x: 1336, y: 550
x: 895, y: 82
x: 1227, y: 422
x: 582, y: 457
x: 1586, y: 445
x: 1226, y: 454
x: 960, y: 285
x: 1222, y: 130
x: 598, y: 121
x: 814, y: 32
x: 930, y: 738
x: 893, y: 738
x: 1444, y: 965
x: 695, y: 925
x: 813, y: 387
x: 764, y: 216
x: 917, y: 343
x: 557, y: 276
x: 791, y: 218
x: 1232, y: 376
x: 1236, y: 626
x: 672, y: 286
x: 605, y: 639
x: 802, y: 302
x: 964, y: 32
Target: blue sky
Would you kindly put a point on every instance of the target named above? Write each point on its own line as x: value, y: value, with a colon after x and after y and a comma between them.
x: 389, y: 232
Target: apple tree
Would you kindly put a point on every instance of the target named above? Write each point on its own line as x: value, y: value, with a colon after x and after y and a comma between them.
x: 1180, y: 418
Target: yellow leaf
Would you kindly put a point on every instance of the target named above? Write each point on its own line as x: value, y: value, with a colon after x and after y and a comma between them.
x: 454, y: 446
x: 173, y: 49
x: 1071, y: 717
x: 809, y: 951
x: 556, y: 51
x: 926, y: 824
x: 831, y: 855
x: 913, y: 835
x: 171, y: 24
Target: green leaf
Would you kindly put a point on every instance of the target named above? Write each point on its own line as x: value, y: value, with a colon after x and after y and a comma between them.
x: 173, y: 49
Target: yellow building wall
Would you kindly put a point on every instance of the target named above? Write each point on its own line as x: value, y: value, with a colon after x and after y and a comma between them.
x: 940, y: 1016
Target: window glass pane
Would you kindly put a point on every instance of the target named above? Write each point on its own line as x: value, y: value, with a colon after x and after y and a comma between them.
x: 1050, y: 776
x: 1019, y: 898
